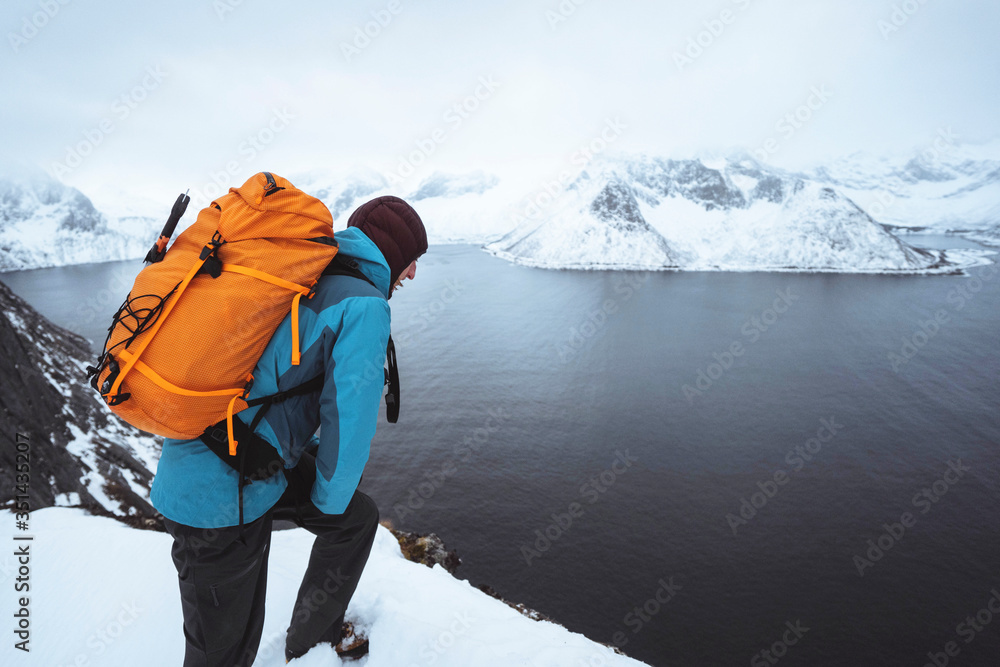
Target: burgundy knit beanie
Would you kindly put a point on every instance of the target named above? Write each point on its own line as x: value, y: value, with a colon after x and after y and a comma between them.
x: 395, y: 228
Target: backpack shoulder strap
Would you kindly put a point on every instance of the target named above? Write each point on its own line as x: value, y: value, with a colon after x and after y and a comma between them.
x: 342, y: 266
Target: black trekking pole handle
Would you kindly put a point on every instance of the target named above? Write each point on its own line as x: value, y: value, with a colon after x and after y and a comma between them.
x: 159, y: 248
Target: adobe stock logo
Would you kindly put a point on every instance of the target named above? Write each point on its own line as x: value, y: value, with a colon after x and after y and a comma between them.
x: 704, y: 40
x: 364, y: 35
x: 753, y: 328
x: 796, y: 458
x: 121, y: 108
x: 592, y: 490
x: 967, y: 629
x: 562, y: 13
x: 454, y: 117
x: 32, y: 25
x: 788, y: 125
x: 778, y: 650
x: 925, y: 499
x: 900, y: 16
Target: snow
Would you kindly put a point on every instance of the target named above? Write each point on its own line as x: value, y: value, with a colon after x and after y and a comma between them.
x: 696, y: 233
x: 951, y: 186
x: 654, y: 214
x: 103, y: 594
x: 17, y: 321
x: 719, y: 213
x: 145, y: 448
x: 82, y: 447
x: 440, y: 184
x: 67, y: 500
x: 60, y: 386
x: 572, y: 238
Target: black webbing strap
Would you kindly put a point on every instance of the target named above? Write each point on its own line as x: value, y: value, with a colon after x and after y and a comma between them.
x: 256, y: 459
x: 391, y: 379
x: 306, y: 387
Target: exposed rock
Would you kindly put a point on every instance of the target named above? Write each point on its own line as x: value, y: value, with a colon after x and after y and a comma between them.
x: 81, y: 455
x: 525, y: 611
x: 427, y: 549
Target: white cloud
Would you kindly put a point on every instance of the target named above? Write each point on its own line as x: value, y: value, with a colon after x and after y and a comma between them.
x: 559, y: 82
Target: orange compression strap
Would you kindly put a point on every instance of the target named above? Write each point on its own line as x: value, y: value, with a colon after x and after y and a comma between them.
x: 229, y: 426
x: 172, y: 388
x: 129, y: 364
x: 229, y: 419
x: 274, y: 280
x: 266, y: 277
x: 296, y: 356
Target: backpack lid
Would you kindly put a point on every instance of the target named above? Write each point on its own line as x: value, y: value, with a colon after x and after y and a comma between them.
x: 294, y: 214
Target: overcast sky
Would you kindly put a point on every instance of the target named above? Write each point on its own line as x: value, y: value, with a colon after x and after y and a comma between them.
x: 170, y: 92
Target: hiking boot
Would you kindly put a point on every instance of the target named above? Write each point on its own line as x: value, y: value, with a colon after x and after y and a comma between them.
x: 352, y: 645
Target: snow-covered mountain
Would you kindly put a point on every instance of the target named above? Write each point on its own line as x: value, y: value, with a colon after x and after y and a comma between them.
x: 945, y: 187
x: 80, y: 454
x: 715, y: 213
x: 451, y: 186
x: 654, y: 213
x: 45, y: 223
x: 598, y: 224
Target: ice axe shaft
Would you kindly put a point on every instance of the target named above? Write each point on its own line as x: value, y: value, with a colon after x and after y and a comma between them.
x: 159, y: 248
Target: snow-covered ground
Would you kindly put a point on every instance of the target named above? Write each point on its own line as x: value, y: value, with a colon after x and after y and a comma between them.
x: 103, y: 594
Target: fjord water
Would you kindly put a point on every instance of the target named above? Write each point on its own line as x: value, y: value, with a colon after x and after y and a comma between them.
x: 546, y: 435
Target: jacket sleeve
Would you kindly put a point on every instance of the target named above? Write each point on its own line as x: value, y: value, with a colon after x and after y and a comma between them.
x: 349, y: 402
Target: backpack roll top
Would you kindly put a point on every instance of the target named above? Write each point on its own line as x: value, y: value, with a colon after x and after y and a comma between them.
x: 181, y: 349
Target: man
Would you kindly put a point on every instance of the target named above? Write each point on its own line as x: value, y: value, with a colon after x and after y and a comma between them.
x: 222, y: 567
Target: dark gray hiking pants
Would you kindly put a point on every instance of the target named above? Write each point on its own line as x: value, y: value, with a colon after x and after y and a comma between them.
x: 223, y: 580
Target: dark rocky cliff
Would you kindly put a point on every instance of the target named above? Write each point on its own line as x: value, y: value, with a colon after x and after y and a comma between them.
x: 81, y: 454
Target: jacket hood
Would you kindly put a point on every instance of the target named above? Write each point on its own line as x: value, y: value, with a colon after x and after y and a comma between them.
x: 354, y: 244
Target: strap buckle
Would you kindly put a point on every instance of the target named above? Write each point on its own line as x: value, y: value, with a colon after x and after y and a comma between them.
x: 247, y: 386
x: 212, y: 245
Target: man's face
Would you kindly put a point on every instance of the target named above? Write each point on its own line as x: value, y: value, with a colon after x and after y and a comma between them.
x: 407, y: 274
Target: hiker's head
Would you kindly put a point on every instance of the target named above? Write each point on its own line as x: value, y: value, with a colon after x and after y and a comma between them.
x: 397, y: 230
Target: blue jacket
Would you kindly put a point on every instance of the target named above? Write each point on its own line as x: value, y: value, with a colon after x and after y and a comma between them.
x: 343, y: 332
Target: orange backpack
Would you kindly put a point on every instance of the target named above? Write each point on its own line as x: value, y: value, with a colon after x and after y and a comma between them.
x: 181, y: 349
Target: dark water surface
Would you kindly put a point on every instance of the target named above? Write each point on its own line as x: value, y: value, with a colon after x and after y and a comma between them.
x: 546, y: 434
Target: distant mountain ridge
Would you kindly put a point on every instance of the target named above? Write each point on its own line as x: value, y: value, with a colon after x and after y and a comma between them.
x: 658, y: 213
x: 633, y: 211
x: 946, y: 187
x: 45, y: 223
